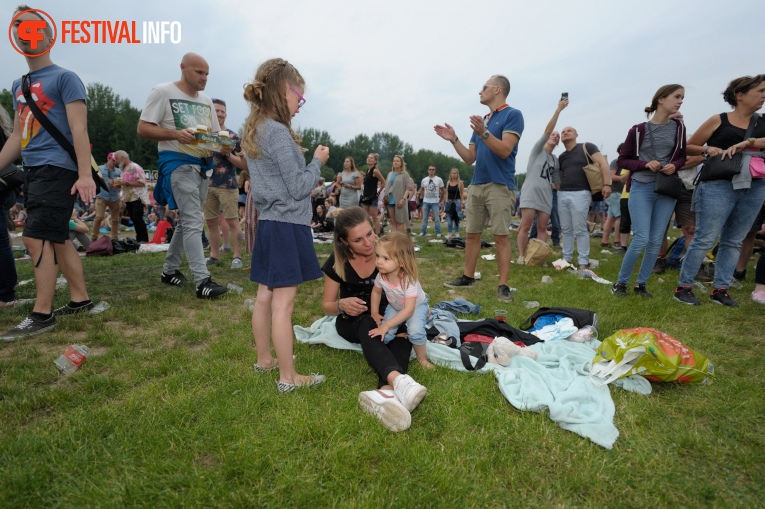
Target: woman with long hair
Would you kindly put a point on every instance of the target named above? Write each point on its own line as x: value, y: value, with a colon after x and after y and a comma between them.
x: 349, y: 275
x: 536, y: 193
x: 351, y: 184
x: 726, y: 208
x: 371, y: 191
x: 399, y: 187
x: 653, y: 147
x: 282, y: 253
x: 455, y: 189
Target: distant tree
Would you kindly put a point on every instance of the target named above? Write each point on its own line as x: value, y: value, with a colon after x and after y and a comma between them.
x: 6, y: 100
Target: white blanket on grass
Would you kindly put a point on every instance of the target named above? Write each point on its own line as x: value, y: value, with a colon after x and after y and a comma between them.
x: 557, y: 381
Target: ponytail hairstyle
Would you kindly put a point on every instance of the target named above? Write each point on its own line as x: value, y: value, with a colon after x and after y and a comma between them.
x: 346, y: 220
x: 266, y: 96
x: 663, y: 92
x: 741, y: 85
x: 400, y: 248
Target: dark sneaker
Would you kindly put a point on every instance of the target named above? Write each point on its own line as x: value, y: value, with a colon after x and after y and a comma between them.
x: 67, y: 309
x: 31, y: 326
x: 619, y: 289
x: 720, y: 296
x: 211, y: 261
x: 660, y: 266
x: 640, y: 291
x: 175, y: 279
x: 739, y: 275
x: 209, y: 289
x: 461, y: 282
x: 504, y: 294
x: 685, y: 295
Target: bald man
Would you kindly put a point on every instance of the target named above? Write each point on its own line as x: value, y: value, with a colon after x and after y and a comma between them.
x: 172, y: 113
x: 574, y: 195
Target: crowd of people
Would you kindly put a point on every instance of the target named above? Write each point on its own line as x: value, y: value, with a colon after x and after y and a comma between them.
x: 371, y: 280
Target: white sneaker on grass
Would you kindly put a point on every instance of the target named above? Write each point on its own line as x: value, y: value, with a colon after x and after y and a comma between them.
x: 408, y: 392
x: 384, y: 405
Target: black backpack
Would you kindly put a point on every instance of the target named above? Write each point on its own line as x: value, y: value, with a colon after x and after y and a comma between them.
x: 581, y: 317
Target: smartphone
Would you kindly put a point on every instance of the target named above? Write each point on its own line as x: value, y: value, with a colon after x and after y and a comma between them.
x: 563, y: 96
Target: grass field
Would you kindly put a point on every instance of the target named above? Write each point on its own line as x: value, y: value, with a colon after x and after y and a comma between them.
x: 167, y: 411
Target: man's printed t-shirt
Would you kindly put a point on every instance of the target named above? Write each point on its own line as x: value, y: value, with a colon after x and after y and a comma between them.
x: 52, y: 88
x: 169, y: 107
x: 431, y: 186
x: 224, y: 172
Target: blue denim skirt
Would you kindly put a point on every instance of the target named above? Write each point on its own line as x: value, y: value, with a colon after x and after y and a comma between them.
x: 283, y: 255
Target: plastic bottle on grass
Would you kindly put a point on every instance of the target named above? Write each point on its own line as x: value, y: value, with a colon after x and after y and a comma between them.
x: 72, y: 358
x: 249, y: 304
x: 234, y: 288
x: 100, y: 308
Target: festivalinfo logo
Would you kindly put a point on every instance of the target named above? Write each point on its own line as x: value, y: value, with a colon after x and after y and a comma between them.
x: 31, y: 32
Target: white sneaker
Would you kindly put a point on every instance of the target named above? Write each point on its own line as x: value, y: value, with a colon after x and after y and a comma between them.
x: 388, y: 410
x: 521, y: 260
x: 408, y: 392
x: 438, y: 235
x: 236, y: 263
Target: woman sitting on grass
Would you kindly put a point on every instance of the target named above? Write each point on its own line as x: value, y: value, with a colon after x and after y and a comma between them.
x: 349, y: 275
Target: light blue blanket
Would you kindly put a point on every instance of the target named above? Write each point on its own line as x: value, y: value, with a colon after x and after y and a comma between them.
x: 557, y: 381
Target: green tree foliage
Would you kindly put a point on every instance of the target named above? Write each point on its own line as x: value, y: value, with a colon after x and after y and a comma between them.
x: 6, y: 100
x: 112, y: 123
x: 386, y: 145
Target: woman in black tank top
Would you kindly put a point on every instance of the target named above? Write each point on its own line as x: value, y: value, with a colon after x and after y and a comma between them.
x: 726, y: 208
x: 454, y: 206
x: 369, y: 195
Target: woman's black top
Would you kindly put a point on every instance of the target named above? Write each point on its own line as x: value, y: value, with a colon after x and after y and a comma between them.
x: 354, y: 286
x: 453, y: 192
x: 728, y: 134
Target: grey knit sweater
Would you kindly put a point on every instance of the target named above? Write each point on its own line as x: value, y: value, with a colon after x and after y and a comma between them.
x: 281, y: 182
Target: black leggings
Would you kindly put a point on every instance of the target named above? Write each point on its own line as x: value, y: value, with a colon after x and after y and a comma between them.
x: 384, y: 359
x: 759, y: 274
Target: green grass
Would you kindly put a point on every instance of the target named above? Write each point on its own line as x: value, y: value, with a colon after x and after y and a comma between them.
x: 167, y: 411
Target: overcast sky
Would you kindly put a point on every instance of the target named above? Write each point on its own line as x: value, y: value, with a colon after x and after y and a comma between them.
x: 401, y: 66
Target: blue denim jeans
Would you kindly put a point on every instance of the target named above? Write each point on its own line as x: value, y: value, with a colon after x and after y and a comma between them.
x: 415, y: 325
x: 574, y: 207
x: 452, y: 226
x: 650, y: 213
x: 426, y: 208
x: 724, y: 212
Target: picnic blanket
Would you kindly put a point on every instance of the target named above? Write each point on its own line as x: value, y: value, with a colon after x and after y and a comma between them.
x: 557, y: 381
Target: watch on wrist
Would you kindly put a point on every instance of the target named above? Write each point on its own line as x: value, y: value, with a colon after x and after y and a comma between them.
x: 456, y: 139
x: 751, y: 141
x: 485, y: 135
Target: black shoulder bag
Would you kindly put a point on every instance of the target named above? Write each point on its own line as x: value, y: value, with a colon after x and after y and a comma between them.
x: 717, y: 168
x: 666, y: 185
x: 55, y: 133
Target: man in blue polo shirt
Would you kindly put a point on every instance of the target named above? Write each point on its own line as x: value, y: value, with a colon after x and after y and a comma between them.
x: 491, y: 195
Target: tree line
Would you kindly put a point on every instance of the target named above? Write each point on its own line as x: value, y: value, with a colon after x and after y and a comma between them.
x: 112, y: 123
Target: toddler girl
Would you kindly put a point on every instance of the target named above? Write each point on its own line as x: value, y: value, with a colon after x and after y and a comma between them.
x: 398, y: 278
